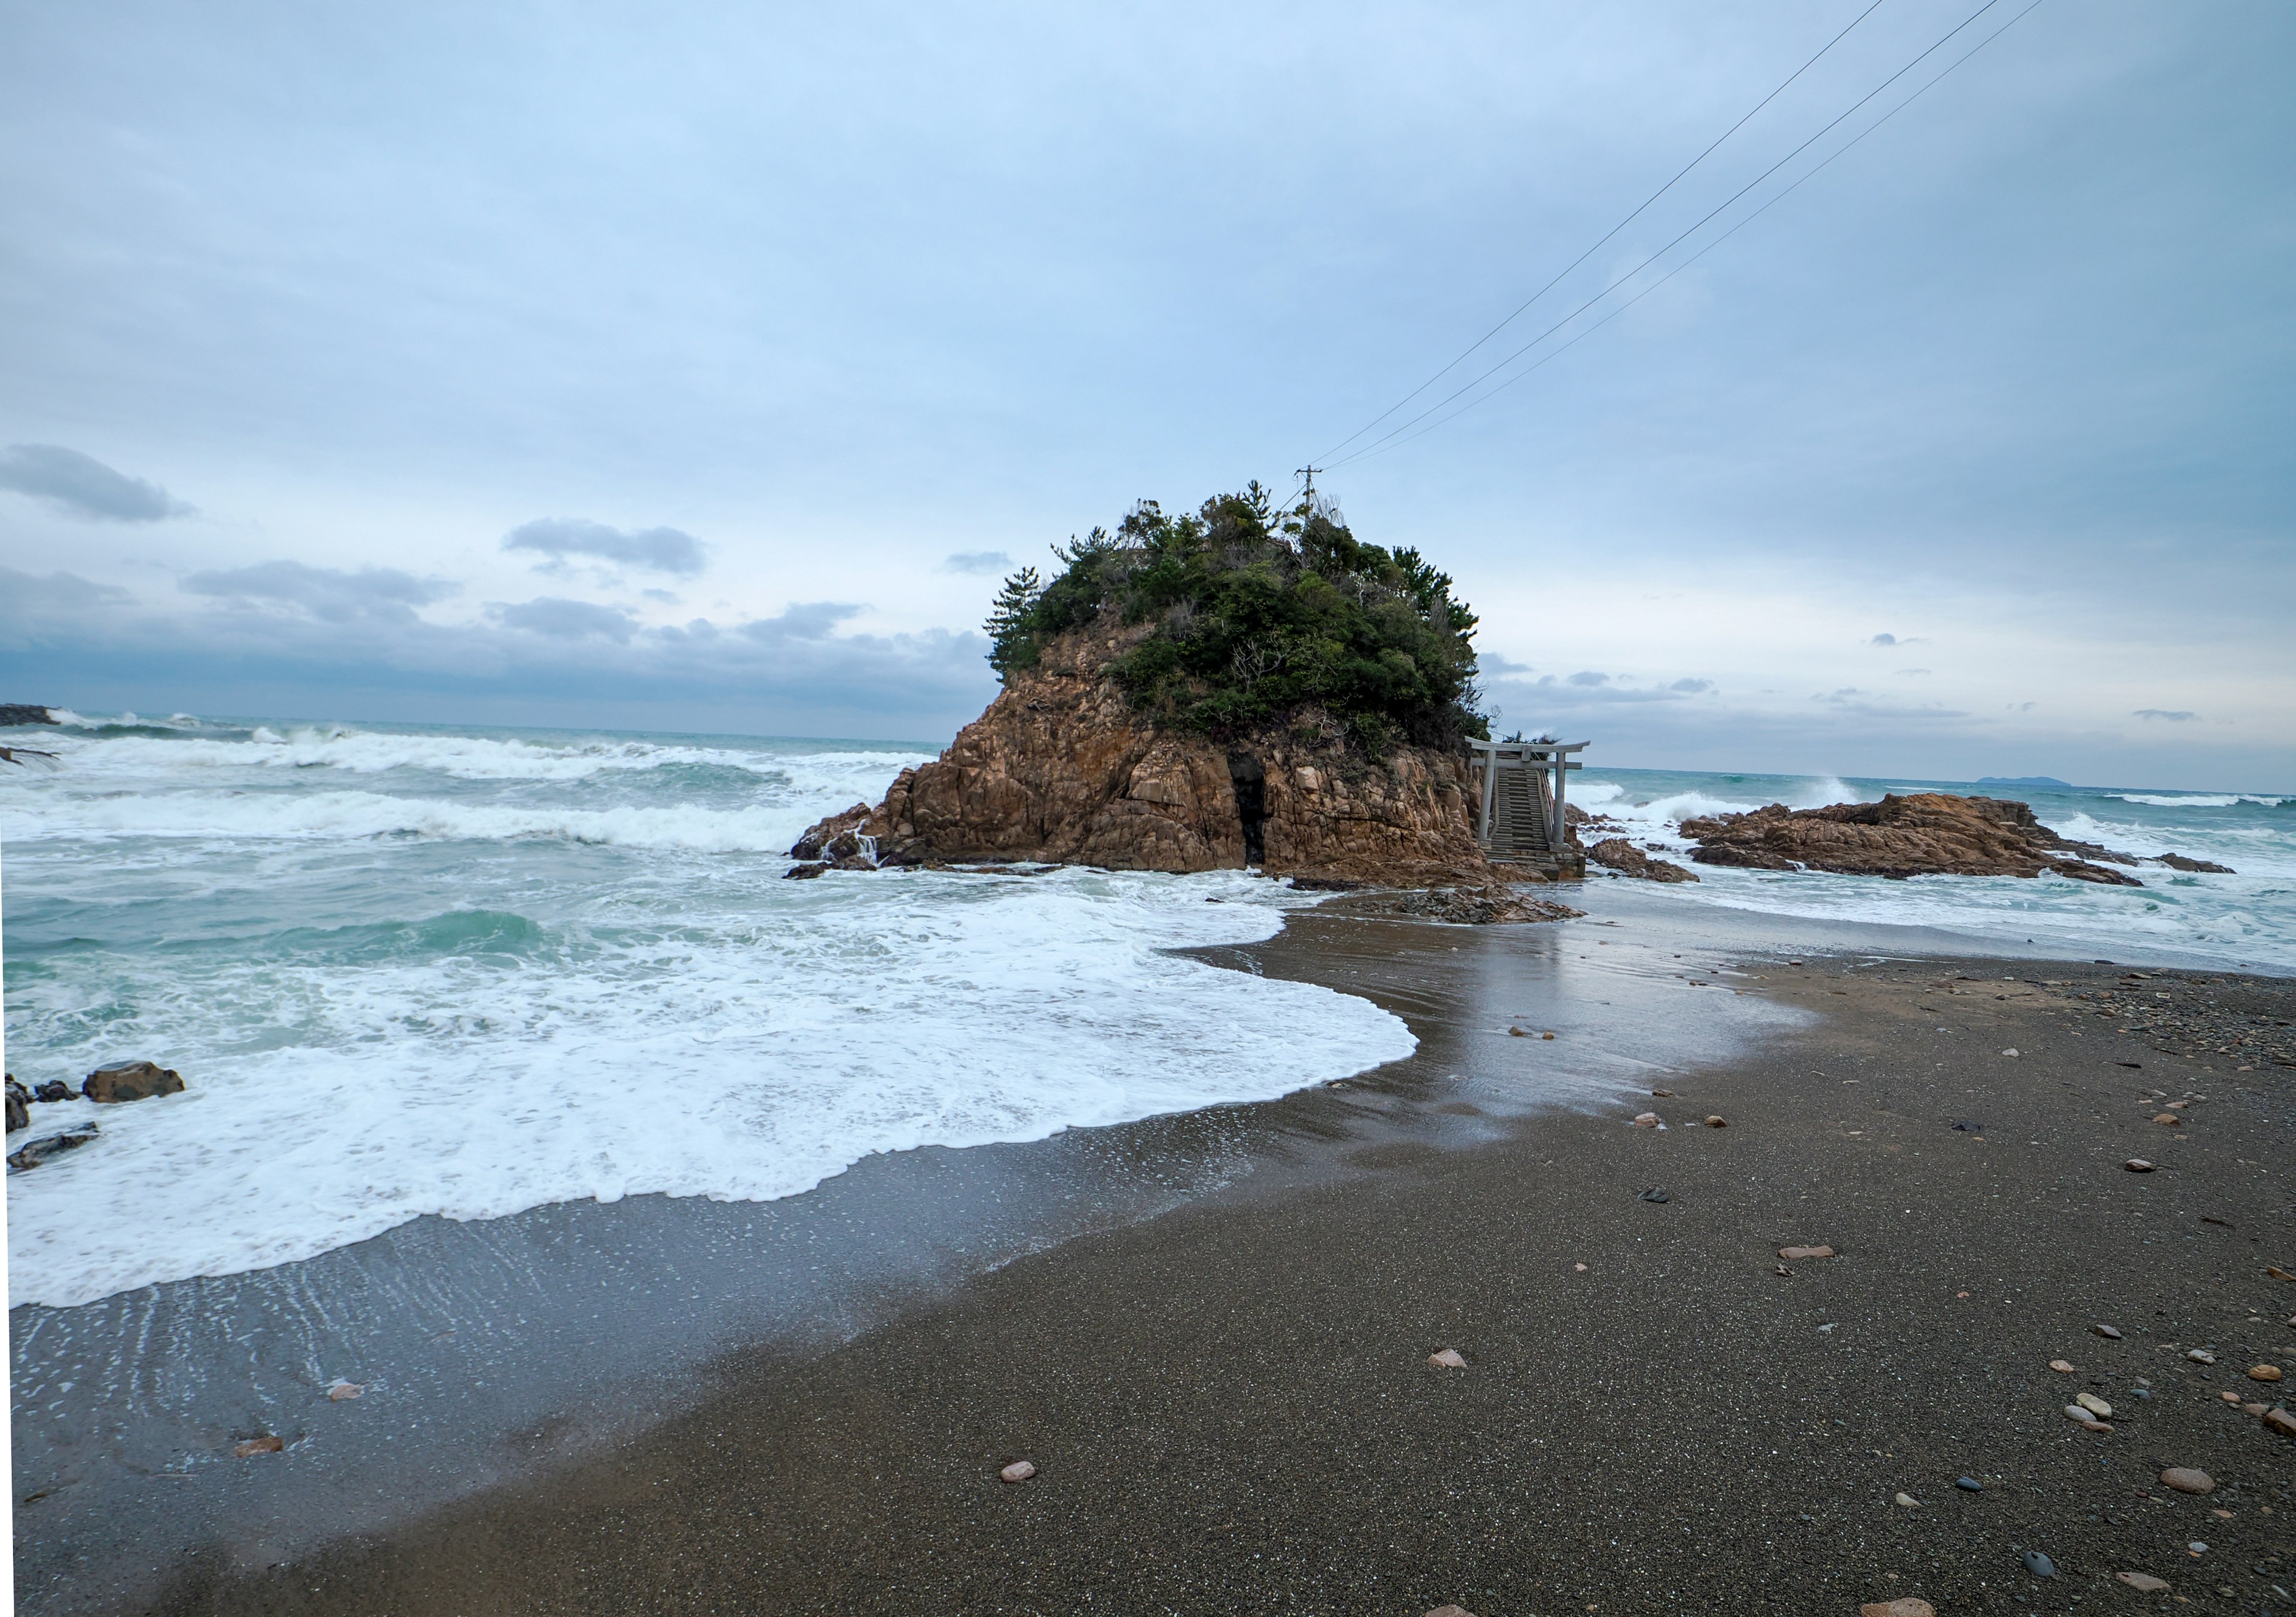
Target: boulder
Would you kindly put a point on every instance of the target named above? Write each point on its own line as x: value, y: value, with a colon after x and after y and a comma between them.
x: 15, y: 714
x: 133, y: 1081
x: 1919, y: 834
x: 2177, y: 862
x: 19, y: 1105
x: 1616, y: 853
x: 1062, y: 769
x: 55, y: 1089
x: 1480, y: 907
x: 815, y: 843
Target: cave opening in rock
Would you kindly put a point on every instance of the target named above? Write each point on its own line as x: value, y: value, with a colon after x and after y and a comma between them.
x: 1250, y: 783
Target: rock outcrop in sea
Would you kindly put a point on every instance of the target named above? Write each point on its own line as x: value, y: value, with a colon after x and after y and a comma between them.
x: 1062, y: 769
x: 1919, y: 834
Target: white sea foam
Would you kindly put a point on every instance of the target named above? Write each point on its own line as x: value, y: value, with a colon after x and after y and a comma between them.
x: 733, y: 1050
x: 2200, y: 800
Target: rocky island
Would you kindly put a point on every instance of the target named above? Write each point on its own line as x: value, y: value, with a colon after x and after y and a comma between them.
x: 1229, y: 689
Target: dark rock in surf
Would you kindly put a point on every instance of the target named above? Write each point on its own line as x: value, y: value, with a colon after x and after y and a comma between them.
x: 131, y: 1081
x: 1919, y: 834
x: 55, y: 1089
x: 19, y: 1105
x: 2201, y: 867
x: 1616, y: 853
x: 15, y: 714
x: 32, y: 1152
x: 815, y: 843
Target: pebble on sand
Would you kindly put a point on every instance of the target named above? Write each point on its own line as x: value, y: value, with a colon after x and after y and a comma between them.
x: 259, y: 1445
x: 2184, y: 1479
x: 1647, y: 1120
x: 1449, y: 1359
x: 2199, y: 1356
x: 2264, y: 1372
x: 342, y: 1390
x: 2253, y: 1412
x: 2062, y: 1366
x: 2280, y: 1421
x: 1797, y: 1255
x: 1907, y: 1500
x: 2105, y: 1331
x: 1717, y: 1122
x: 1451, y: 1611
x: 1663, y: 1094
x: 2074, y: 1412
x: 2170, y: 1120
x: 2094, y: 1404
x: 1969, y: 1484
x: 1019, y: 1471
x: 2138, y: 1165
x: 2230, y: 1397
x: 2143, y: 1583
x: 2008, y: 1052
x: 2274, y: 1272
x: 1578, y: 1268
x: 2040, y: 1564
x: 1904, y: 1606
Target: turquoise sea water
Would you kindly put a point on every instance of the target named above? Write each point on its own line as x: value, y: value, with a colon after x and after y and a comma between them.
x: 432, y: 970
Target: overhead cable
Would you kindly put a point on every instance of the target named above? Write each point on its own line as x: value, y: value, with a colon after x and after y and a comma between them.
x: 1607, y: 234
x: 1478, y: 381
x: 1561, y: 348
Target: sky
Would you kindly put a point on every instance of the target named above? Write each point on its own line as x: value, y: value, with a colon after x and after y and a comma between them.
x: 704, y: 368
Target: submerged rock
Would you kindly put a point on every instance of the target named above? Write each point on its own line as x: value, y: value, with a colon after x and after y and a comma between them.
x: 131, y: 1081
x: 1919, y: 834
x: 1480, y: 907
x: 55, y: 1089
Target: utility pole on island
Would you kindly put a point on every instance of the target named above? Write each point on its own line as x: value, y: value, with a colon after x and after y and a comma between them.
x: 1309, y: 494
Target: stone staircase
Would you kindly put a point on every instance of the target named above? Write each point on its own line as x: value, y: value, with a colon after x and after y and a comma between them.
x: 1520, y: 809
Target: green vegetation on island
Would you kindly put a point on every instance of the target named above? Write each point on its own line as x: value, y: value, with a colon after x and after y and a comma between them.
x: 1259, y: 614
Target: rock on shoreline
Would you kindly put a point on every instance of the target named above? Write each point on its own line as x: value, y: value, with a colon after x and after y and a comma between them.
x: 15, y: 714
x: 1919, y: 834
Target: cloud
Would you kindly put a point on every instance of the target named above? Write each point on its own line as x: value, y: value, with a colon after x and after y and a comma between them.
x: 326, y: 593
x: 34, y: 609
x: 2170, y: 716
x: 801, y: 620
x: 661, y: 550
x: 1909, y: 672
x: 977, y: 561
x: 1850, y: 699
x: 1693, y: 687
x: 1492, y: 665
x: 1588, y: 677
x: 84, y: 486
x: 564, y: 619
x: 1892, y: 640
x: 1883, y: 640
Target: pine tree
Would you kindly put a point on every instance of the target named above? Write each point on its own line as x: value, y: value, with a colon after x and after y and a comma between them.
x: 1010, y: 644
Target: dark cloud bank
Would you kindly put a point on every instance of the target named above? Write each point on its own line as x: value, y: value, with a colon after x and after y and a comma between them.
x: 81, y: 486
x: 285, y: 639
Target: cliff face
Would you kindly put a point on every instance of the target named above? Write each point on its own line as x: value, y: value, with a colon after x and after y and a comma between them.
x: 1060, y: 768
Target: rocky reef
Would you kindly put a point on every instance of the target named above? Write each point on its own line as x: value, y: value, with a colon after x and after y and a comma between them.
x: 1919, y: 834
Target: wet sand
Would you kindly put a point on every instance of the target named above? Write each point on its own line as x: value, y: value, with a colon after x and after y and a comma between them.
x: 1232, y: 1408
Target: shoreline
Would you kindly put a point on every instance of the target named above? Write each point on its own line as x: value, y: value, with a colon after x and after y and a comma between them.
x: 1350, y: 1150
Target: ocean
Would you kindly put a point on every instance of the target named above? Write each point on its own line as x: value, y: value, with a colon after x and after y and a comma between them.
x: 413, y: 970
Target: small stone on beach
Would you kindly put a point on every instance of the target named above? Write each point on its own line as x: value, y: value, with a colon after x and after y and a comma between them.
x: 1579, y: 1268
x: 2253, y: 1412
x: 2143, y: 1583
x: 2094, y: 1404
x: 2105, y: 1331
x: 1907, y: 1500
x: 1449, y: 1359
x: 1019, y: 1471
x: 342, y: 1390
x: 2170, y: 1120
x: 2138, y: 1165
x: 1797, y: 1254
x: 2280, y: 1421
x: 1451, y: 1611
x: 1716, y: 1122
x: 1904, y: 1606
x: 1656, y: 1194
x: 2199, y: 1356
x: 259, y: 1445
x: 1647, y: 1120
x: 1969, y: 1484
x: 1663, y: 1094
x: 2264, y: 1372
x: 1518, y: 1032
x: 2061, y: 1366
x: 2274, y: 1272
x: 1546, y: 1036
x: 2230, y: 1397
x: 2184, y: 1479
x: 2040, y: 1564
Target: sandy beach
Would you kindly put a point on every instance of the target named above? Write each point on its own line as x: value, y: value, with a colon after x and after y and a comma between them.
x: 1232, y: 1408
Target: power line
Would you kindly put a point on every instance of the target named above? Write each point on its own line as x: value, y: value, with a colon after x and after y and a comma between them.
x: 1711, y: 246
x: 1607, y: 234
x: 1478, y: 381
